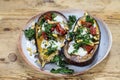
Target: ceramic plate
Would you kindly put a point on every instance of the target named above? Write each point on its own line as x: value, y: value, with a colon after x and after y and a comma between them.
x: 104, y: 48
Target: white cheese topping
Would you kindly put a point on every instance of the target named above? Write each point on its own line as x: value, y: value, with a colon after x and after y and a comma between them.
x: 91, y: 36
x: 71, y: 49
x: 84, y: 31
x: 60, y: 19
x: 43, y: 28
x: 72, y: 42
x: 45, y: 44
x: 55, y: 32
x: 81, y: 52
x: 58, y: 45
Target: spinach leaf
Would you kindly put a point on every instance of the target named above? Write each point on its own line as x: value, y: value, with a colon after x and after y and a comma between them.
x: 62, y: 70
x: 53, y: 16
x: 29, y: 33
x: 58, y: 60
x: 86, y: 42
x: 48, y: 31
x: 41, y: 21
x: 48, y: 27
x: 77, y: 45
x: 50, y: 50
x: 71, y: 21
x: 71, y: 35
x: 89, y: 19
x: 79, y: 30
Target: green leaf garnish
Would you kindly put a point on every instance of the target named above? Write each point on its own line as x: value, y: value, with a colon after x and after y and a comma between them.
x: 62, y: 70
x: 58, y: 60
x: 71, y: 21
x: 41, y: 21
x: 51, y: 50
x: 89, y: 19
x: 29, y: 33
x: 53, y: 16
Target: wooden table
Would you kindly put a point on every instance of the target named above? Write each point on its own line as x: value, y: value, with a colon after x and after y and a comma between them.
x: 15, y: 13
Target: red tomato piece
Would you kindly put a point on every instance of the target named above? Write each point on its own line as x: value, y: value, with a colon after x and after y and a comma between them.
x: 92, y: 30
x: 86, y: 24
x: 88, y: 48
x: 44, y: 35
x: 48, y: 16
x: 60, y: 29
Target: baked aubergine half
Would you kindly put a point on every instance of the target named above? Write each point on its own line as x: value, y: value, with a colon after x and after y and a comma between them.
x: 83, y: 42
x: 50, y: 31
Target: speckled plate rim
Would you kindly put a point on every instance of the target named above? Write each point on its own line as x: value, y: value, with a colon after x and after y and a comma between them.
x: 63, y: 75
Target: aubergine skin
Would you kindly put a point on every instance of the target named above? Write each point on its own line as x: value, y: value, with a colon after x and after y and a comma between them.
x: 75, y: 60
x: 69, y: 59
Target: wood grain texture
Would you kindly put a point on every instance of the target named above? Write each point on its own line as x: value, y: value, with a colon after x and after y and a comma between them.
x: 15, y: 13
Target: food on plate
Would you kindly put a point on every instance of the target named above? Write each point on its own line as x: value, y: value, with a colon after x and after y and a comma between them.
x: 63, y: 41
x: 83, y: 41
x: 59, y: 61
x: 50, y: 32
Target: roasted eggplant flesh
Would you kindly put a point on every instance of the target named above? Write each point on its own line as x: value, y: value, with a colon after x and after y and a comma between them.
x: 82, y: 43
x: 50, y: 31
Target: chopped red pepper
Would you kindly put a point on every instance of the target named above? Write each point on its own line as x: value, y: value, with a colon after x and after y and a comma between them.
x: 88, y: 48
x: 48, y: 16
x: 92, y: 30
x: 83, y: 22
x: 44, y: 36
x: 86, y: 24
x: 60, y: 29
